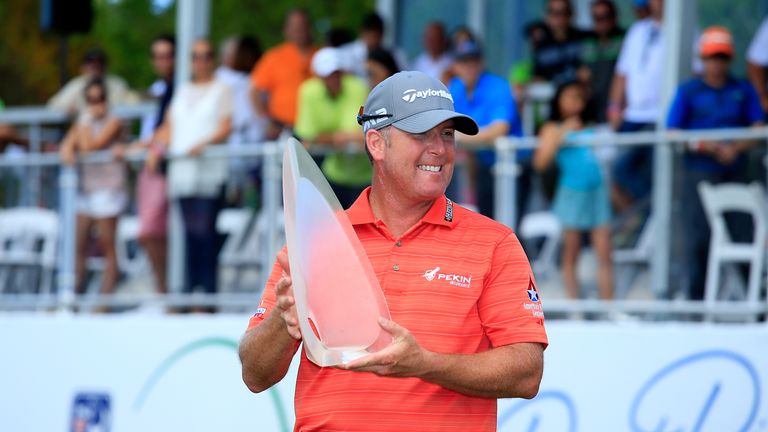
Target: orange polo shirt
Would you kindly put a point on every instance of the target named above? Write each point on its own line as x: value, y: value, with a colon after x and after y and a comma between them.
x: 460, y: 283
x: 280, y: 73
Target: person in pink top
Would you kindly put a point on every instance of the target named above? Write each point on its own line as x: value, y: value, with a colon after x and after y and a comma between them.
x: 102, y: 194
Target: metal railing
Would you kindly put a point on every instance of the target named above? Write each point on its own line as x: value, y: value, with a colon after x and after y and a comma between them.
x: 505, y: 172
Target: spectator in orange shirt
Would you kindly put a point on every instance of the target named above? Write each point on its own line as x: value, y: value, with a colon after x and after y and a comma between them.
x: 277, y: 76
x: 466, y: 317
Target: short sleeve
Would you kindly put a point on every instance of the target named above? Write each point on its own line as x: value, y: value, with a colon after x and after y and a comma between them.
x: 262, y: 76
x: 758, y: 48
x: 305, y: 127
x: 509, y: 306
x: 754, y: 110
x: 676, y: 118
x: 268, y: 297
x: 623, y: 63
x: 226, y: 101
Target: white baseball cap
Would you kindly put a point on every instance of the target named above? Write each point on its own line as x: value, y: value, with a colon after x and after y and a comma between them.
x: 327, y: 61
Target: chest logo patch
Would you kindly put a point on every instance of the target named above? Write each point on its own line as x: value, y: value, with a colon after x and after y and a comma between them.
x: 452, y: 278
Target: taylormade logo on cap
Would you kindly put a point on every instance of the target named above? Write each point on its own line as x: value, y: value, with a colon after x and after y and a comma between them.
x: 413, y: 102
x: 410, y: 95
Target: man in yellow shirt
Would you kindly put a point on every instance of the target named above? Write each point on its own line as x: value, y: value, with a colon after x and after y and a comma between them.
x: 326, y: 116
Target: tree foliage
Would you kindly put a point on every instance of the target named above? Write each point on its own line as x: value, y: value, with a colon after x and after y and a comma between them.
x: 30, y: 69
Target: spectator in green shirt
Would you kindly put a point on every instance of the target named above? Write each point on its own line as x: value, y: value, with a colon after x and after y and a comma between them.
x: 326, y: 116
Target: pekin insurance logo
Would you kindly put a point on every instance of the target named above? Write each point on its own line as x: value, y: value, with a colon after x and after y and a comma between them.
x: 452, y: 278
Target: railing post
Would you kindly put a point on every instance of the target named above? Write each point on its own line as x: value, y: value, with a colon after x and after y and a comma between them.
x: 504, y: 177
x: 68, y: 225
x: 35, y: 145
x: 271, y: 187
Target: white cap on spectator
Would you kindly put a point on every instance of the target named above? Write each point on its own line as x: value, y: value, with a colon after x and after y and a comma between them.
x: 327, y: 61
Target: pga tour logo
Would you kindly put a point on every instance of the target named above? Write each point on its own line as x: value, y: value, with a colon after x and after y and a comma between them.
x: 451, y: 278
x: 410, y: 95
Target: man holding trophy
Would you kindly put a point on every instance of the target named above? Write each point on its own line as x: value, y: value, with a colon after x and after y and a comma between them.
x: 466, y: 323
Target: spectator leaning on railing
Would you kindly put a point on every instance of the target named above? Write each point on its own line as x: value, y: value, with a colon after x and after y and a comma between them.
x: 102, y: 194
x: 581, y: 199
x: 94, y: 66
x: 151, y: 184
x: 277, y: 76
x: 488, y: 99
x: 324, y: 106
x: 200, y: 116
x: 715, y: 100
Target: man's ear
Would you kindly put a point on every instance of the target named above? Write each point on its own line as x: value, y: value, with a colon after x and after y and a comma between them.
x: 376, y: 144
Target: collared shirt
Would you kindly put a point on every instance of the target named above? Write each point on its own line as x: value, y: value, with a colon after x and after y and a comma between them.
x: 558, y: 61
x: 434, y: 67
x: 320, y: 113
x: 642, y: 63
x: 490, y: 101
x: 460, y: 283
x: 280, y: 72
x: 758, y: 48
x: 699, y: 106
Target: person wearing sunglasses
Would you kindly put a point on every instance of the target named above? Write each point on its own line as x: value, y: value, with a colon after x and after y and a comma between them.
x: 558, y: 56
x: 600, y: 52
x: 200, y: 116
x: 714, y: 100
x: 102, y: 192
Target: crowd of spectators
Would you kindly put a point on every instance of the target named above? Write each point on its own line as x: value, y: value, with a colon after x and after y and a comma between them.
x: 605, y: 77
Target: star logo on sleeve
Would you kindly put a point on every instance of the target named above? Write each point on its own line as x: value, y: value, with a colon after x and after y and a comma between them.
x: 532, y: 293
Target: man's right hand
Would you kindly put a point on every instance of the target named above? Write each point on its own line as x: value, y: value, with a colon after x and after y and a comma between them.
x: 286, y: 303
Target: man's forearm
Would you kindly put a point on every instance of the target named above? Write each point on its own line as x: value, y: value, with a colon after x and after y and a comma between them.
x: 265, y: 353
x: 503, y: 372
x: 756, y: 74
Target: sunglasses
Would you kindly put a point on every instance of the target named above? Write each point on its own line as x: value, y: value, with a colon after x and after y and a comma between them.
x: 559, y: 12
x: 601, y: 17
x: 362, y: 118
x: 168, y: 56
x: 90, y: 100
x: 208, y: 56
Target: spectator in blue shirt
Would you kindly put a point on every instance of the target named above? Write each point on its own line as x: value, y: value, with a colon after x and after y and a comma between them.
x: 488, y: 99
x: 715, y: 100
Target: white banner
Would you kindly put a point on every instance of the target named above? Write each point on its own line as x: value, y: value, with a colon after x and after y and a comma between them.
x: 152, y: 373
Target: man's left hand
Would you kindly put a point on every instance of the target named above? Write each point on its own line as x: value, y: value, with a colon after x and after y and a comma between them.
x: 404, y: 358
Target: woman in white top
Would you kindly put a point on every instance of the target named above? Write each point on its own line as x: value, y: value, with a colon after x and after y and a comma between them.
x: 102, y: 194
x: 200, y: 116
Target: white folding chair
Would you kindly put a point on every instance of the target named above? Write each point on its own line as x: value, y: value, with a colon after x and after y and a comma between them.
x: 131, y: 258
x: 630, y: 261
x: 544, y: 225
x: 734, y: 197
x: 28, y: 244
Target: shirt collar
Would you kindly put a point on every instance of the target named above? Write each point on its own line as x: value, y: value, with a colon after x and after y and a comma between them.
x: 442, y: 212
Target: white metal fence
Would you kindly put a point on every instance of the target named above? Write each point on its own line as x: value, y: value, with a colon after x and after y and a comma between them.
x: 269, y: 153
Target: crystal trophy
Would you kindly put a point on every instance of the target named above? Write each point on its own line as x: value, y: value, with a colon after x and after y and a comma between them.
x: 338, y: 298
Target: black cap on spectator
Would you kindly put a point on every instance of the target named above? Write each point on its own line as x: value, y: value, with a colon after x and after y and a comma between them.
x: 95, y: 55
x: 372, y: 21
x: 468, y: 50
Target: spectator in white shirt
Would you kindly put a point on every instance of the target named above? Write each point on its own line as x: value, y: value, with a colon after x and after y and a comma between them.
x: 371, y: 37
x: 436, y: 58
x: 757, y: 62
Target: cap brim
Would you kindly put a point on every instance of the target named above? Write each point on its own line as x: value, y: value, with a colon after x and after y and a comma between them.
x: 424, y: 121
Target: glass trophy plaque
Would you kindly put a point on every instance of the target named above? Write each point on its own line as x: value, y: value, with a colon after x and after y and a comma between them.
x: 338, y: 298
